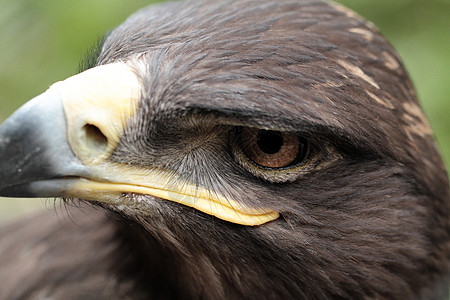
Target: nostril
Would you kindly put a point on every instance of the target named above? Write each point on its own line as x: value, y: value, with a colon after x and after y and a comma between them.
x: 95, y: 139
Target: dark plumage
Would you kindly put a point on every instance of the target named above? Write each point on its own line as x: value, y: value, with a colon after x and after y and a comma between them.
x: 360, y: 211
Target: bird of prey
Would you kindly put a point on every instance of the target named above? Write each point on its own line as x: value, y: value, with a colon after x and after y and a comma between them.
x: 248, y: 149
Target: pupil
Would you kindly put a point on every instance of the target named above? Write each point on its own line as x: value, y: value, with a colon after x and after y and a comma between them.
x: 270, y: 142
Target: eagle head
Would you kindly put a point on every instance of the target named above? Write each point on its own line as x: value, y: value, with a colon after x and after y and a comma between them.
x: 252, y: 148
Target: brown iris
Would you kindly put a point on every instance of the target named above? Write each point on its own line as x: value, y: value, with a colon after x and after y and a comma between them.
x: 273, y: 149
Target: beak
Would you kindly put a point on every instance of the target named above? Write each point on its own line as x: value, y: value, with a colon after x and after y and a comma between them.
x: 30, y: 140
x: 61, y: 135
x: 59, y: 144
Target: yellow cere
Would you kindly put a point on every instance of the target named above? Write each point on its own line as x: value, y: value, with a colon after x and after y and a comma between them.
x: 104, y: 97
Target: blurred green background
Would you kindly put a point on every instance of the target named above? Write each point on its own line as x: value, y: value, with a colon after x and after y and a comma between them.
x: 42, y: 41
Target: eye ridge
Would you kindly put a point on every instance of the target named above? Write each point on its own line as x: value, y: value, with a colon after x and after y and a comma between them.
x: 273, y: 150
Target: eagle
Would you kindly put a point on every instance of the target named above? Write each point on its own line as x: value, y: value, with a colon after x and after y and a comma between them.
x: 220, y: 149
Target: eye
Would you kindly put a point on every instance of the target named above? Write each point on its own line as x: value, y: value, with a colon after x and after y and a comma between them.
x: 279, y: 156
x: 270, y: 149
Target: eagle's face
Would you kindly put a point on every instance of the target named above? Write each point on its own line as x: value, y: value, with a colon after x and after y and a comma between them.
x: 269, y: 147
